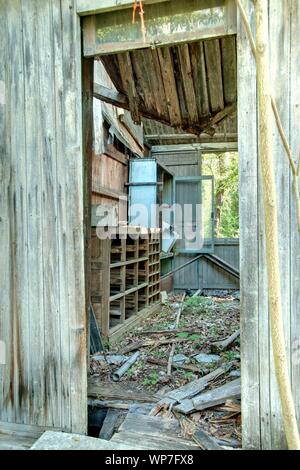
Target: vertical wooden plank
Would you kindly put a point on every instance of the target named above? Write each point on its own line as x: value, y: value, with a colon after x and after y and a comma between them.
x: 295, y: 239
x: 37, y: 389
x: 4, y: 208
x: 72, y: 154
x: 62, y: 224
x: 279, y: 34
x: 88, y: 144
x: 48, y: 182
x: 247, y: 124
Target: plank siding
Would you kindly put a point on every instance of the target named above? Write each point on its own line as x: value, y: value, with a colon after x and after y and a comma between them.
x: 212, y: 277
x: 294, y: 236
x: 262, y: 417
x: 249, y: 253
x: 42, y: 313
x: 183, y: 163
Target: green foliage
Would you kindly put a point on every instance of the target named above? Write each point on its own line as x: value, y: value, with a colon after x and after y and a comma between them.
x: 231, y: 355
x: 152, y: 379
x: 199, y: 301
x: 224, y: 168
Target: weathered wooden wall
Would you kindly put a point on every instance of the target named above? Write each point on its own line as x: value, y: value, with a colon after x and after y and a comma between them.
x: 262, y: 421
x: 212, y: 277
x: 182, y: 163
x: 42, y: 305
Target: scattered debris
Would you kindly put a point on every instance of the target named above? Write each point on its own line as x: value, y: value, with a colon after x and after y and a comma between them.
x: 111, y: 423
x: 207, y: 358
x: 114, y: 359
x: 218, y: 346
x: 179, y: 359
x: 218, y: 395
x: 164, y: 297
x: 170, y: 361
x: 196, y: 391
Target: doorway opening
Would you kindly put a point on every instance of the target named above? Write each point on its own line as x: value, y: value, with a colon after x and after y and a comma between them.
x: 165, y: 135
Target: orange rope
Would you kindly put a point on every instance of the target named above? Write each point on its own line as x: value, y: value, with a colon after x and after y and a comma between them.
x: 138, y: 4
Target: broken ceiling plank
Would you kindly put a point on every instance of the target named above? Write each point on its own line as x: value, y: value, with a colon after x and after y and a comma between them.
x: 229, y: 68
x: 179, y: 86
x: 155, y: 82
x: 143, y: 82
x: 199, y: 77
x: 188, y: 84
x: 160, y: 89
x: 129, y: 85
x: 228, y: 112
x: 167, y: 71
x: 121, y: 100
x: 112, y: 68
x: 214, y: 74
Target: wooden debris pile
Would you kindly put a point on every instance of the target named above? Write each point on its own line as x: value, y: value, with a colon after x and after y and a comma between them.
x: 188, y: 360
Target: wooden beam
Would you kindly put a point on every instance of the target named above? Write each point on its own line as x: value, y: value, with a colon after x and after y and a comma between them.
x: 110, y: 96
x: 187, y: 21
x: 107, y: 192
x: 91, y: 7
x: 87, y: 132
x: 203, y: 138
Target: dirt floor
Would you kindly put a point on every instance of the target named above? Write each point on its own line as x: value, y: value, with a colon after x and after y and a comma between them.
x: 203, y: 321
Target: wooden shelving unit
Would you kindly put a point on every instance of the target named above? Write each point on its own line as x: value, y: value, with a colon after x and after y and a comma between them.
x: 125, y: 276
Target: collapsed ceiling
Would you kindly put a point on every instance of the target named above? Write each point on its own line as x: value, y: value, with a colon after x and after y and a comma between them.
x: 191, y: 87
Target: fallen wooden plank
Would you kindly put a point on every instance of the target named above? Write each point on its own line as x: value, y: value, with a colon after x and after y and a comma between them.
x: 205, y: 441
x: 162, y: 362
x: 144, y: 344
x: 193, y: 388
x: 115, y: 391
x: 111, y: 423
x: 218, y: 346
x: 218, y: 396
x: 193, y: 330
x: 154, y: 442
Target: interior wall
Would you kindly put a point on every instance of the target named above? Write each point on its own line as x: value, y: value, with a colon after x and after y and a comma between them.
x: 42, y: 306
x: 261, y: 409
x: 183, y: 163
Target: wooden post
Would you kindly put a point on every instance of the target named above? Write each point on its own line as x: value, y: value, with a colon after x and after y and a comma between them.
x: 271, y: 224
x: 87, y: 131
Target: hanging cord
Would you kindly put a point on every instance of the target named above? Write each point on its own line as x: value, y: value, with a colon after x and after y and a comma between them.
x: 138, y: 4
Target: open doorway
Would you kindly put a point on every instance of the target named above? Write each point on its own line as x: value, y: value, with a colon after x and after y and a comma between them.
x: 194, y: 333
